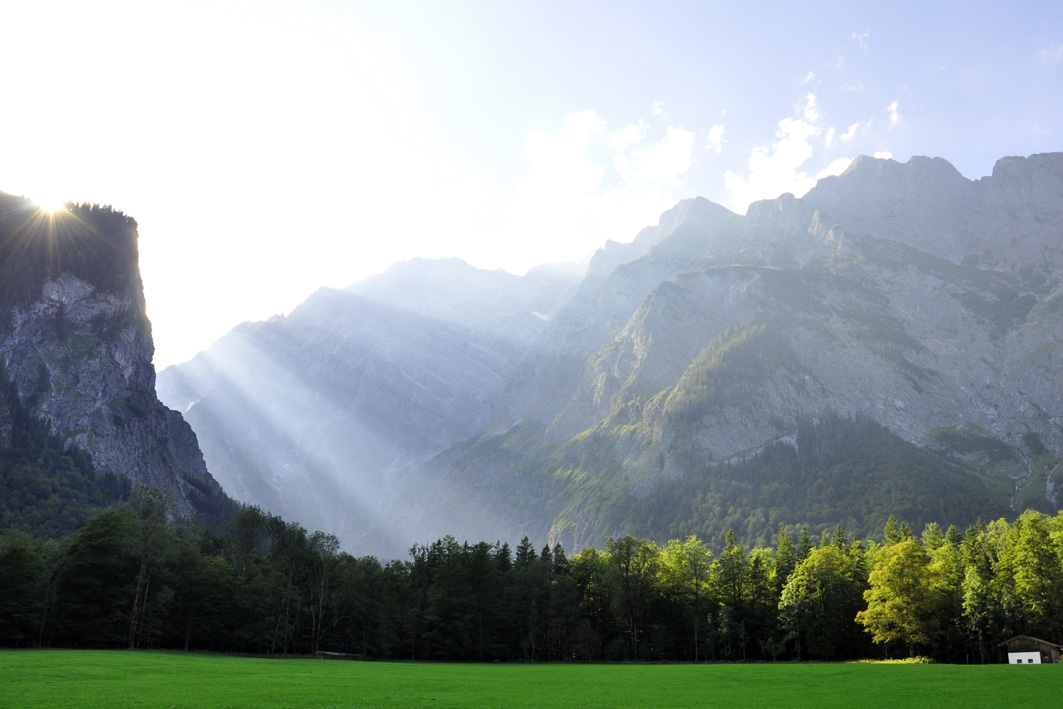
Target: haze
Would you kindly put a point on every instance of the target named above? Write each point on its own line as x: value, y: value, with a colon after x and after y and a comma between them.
x: 270, y: 148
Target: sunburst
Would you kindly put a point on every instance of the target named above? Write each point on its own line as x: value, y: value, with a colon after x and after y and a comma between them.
x: 50, y: 203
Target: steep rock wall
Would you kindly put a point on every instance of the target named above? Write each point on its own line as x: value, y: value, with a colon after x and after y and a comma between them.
x: 75, y: 341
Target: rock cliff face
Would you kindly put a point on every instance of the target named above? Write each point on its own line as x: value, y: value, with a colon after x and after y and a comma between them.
x: 889, y: 343
x: 76, y: 343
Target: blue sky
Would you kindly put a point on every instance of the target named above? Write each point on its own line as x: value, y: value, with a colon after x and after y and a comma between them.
x: 268, y: 148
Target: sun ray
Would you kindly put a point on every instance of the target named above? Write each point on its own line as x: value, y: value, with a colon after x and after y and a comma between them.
x: 50, y: 203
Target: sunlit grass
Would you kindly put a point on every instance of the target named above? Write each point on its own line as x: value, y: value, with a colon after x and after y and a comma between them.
x: 65, y: 678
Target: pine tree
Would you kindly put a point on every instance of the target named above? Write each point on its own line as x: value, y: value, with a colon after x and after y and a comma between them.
x: 525, y: 553
x: 785, y: 559
x: 804, y: 544
x: 838, y: 538
x: 890, y: 533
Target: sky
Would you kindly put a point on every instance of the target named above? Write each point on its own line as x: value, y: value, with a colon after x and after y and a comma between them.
x: 268, y: 148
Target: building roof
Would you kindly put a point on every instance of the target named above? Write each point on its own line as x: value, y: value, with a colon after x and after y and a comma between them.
x: 1027, y: 638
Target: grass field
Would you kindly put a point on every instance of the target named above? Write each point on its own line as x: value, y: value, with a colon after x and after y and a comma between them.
x: 68, y: 678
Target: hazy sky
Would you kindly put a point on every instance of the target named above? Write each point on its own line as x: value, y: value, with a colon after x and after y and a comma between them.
x: 270, y: 148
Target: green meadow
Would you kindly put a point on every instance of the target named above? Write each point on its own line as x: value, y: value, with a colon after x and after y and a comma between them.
x: 69, y: 678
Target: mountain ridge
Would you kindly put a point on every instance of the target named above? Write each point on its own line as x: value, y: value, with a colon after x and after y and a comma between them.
x: 903, y: 294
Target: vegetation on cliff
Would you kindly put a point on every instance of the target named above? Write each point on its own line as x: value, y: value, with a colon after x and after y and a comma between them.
x: 46, y: 488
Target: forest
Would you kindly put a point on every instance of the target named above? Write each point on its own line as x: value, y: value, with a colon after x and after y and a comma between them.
x: 132, y: 578
x: 852, y: 471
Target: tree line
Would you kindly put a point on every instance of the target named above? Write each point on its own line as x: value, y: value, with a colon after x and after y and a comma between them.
x: 130, y: 578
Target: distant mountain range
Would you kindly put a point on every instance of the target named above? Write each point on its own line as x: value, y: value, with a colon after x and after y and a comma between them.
x: 891, y: 343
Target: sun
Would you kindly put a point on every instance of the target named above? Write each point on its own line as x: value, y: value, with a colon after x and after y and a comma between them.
x: 50, y: 203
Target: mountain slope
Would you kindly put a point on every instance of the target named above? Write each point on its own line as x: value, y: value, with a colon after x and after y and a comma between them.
x: 310, y: 415
x: 919, y: 317
x: 720, y: 370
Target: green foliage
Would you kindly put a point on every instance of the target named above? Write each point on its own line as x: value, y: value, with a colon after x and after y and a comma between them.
x: 852, y: 472
x: 21, y: 589
x: 47, y: 487
x: 964, y: 440
x: 903, y: 601
x: 819, y: 604
x: 1032, y: 440
x: 129, y: 578
x: 684, y: 576
x: 96, y: 571
x: 724, y: 375
x: 633, y: 568
x: 1001, y: 309
x: 1031, y: 570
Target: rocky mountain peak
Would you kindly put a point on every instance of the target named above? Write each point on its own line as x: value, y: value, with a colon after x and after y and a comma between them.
x: 1030, y: 169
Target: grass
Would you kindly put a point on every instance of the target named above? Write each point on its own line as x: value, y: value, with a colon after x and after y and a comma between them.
x: 71, y: 678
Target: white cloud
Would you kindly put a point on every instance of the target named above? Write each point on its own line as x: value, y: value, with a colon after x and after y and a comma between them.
x: 895, y: 114
x: 657, y: 108
x: 854, y: 85
x: 621, y: 140
x: 808, y: 79
x: 829, y: 140
x: 836, y: 167
x: 584, y: 123
x: 559, y: 165
x: 776, y: 169
x: 661, y: 163
x: 809, y: 110
x: 861, y: 38
x: 586, y: 184
x: 715, y: 139
x: 848, y: 135
x: 883, y: 155
x: 1052, y: 54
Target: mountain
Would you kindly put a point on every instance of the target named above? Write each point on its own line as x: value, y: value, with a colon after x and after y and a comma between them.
x: 80, y: 424
x: 887, y: 344
x: 311, y: 415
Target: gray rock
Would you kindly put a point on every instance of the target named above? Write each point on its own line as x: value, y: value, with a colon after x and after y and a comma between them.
x: 80, y: 357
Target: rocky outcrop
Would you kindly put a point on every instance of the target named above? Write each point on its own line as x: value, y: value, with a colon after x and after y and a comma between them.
x: 76, y: 343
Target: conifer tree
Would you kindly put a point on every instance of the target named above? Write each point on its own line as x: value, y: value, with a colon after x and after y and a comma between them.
x: 785, y: 559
